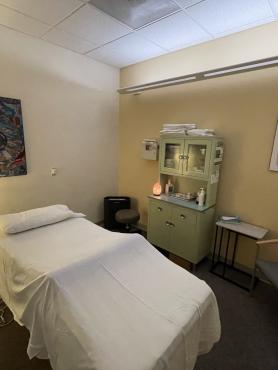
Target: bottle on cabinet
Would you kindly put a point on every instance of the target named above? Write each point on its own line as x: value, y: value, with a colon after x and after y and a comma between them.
x: 201, y: 197
x: 169, y: 187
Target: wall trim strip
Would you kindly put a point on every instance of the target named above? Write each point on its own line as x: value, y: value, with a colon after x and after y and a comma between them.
x: 214, y: 73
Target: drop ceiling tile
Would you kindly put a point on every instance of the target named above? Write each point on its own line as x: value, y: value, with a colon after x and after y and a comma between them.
x: 188, y: 3
x: 274, y: 4
x: 47, y: 11
x: 20, y: 22
x: 68, y: 41
x: 93, y: 25
x: 126, y: 50
x: 174, y: 32
x: 136, y: 13
x: 226, y: 16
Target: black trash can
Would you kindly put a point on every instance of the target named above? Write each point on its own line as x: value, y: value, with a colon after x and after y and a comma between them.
x: 111, y: 206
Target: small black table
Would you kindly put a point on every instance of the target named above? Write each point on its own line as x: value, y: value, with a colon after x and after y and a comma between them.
x: 247, y: 230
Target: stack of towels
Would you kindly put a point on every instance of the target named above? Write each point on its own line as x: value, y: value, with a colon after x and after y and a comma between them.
x: 186, y: 129
x: 177, y: 128
x: 201, y: 132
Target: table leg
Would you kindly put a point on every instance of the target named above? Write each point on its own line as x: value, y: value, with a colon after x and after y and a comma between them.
x: 215, y: 242
x: 220, y: 244
x: 226, y: 254
x: 235, y: 248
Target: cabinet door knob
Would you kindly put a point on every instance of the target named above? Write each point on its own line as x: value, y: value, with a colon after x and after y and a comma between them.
x: 180, y: 156
x: 172, y: 225
x: 167, y: 223
x: 183, y: 217
x: 159, y: 209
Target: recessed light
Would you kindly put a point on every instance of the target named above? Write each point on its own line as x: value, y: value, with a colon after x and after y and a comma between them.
x: 136, y: 13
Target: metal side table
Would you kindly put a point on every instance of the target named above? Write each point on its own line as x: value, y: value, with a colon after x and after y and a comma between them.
x: 244, y: 229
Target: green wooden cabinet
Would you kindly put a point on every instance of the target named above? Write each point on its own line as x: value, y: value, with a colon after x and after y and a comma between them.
x: 180, y: 227
x: 187, y: 156
x: 182, y: 231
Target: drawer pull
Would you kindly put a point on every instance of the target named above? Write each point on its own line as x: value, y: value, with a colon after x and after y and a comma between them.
x: 167, y: 223
x: 183, y: 217
x: 159, y: 209
x: 172, y: 225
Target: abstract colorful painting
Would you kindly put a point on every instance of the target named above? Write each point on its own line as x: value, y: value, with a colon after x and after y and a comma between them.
x: 12, y: 148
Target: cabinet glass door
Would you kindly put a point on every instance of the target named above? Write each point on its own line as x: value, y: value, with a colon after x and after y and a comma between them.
x: 197, y: 158
x: 172, y: 156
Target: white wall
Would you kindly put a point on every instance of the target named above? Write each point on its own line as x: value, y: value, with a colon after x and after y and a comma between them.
x: 70, y: 114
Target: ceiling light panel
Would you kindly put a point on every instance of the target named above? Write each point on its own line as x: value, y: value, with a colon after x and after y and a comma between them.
x: 174, y: 32
x: 20, y: 22
x: 226, y: 16
x: 68, y: 41
x: 94, y: 26
x: 127, y: 50
x: 47, y: 11
x: 136, y: 13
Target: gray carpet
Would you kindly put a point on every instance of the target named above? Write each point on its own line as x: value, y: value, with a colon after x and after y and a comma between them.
x: 249, y: 332
x: 249, y: 338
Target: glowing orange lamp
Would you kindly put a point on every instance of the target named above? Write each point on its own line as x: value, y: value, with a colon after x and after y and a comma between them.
x: 157, y: 189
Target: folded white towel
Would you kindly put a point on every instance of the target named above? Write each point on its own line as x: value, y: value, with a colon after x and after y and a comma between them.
x: 201, y: 132
x: 173, y: 131
x: 187, y: 126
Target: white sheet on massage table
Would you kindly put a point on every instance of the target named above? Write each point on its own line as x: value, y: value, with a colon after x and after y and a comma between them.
x: 93, y: 299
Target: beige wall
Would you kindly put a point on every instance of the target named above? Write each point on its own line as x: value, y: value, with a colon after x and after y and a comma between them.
x: 249, y: 45
x: 241, y: 108
x: 70, y: 109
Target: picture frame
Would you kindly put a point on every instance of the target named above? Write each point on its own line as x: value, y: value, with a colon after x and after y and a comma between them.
x: 273, y: 165
x: 12, y: 146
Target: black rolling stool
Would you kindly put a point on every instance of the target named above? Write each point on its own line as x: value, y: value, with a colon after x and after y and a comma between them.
x: 128, y: 217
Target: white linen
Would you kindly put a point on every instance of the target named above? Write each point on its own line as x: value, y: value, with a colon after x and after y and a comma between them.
x: 93, y: 299
x: 17, y: 222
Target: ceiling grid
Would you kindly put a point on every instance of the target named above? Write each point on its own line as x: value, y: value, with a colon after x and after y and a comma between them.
x: 124, y: 32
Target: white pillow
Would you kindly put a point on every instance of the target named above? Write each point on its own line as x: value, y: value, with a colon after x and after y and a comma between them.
x: 16, y: 222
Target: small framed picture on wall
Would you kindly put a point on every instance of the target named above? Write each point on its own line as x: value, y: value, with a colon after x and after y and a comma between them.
x: 274, y: 156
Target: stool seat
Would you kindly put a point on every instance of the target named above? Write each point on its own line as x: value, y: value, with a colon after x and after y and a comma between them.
x: 127, y: 216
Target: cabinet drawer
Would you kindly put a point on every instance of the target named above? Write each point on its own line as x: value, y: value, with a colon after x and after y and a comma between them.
x: 159, y: 222
x: 160, y: 208
x: 184, y: 215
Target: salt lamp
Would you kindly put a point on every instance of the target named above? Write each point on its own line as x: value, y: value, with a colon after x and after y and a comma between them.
x: 157, y: 189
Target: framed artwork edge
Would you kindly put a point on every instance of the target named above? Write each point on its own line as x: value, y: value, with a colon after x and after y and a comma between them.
x: 12, y: 143
x: 273, y: 164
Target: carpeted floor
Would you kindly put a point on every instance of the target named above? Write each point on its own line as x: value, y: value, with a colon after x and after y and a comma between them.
x: 249, y: 332
x: 249, y: 338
